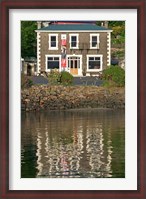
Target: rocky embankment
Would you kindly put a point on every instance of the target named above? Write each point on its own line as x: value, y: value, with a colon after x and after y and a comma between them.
x: 46, y: 97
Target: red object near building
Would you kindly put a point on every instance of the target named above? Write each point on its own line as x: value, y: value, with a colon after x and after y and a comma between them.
x: 63, y: 63
x: 63, y: 42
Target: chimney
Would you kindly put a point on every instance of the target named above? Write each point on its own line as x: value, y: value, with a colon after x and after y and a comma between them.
x: 106, y: 24
x: 45, y: 23
x: 39, y: 24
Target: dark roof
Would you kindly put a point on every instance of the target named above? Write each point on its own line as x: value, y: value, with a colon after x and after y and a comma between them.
x: 68, y: 27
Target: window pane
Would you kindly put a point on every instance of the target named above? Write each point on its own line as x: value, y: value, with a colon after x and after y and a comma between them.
x: 94, y: 41
x: 73, y: 44
x: 94, y: 44
x: 73, y: 38
x: 94, y: 64
x: 91, y: 58
x: 53, y: 41
x: 71, y: 64
x: 94, y: 38
x: 73, y: 41
x: 50, y: 58
x: 56, y: 58
x: 97, y: 58
x: 53, y: 38
x: 53, y: 62
x: 75, y: 64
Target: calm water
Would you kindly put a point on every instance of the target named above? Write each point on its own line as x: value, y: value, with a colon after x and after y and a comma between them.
x: 74, y: 144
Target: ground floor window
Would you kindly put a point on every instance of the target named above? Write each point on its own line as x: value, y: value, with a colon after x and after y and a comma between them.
x: 94, y: 62
x: 53, y: 62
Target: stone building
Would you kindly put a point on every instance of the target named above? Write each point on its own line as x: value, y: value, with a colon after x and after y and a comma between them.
x: 79, y: 48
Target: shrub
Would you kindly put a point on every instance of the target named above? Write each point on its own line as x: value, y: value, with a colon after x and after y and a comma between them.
x: 119, y: 54
x: 113, y: 76
x: 26, y: 82
x: 66, y: 78
x: 54, y: 77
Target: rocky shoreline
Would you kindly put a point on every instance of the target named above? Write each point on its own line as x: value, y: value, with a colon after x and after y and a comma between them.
x: 45, y: 97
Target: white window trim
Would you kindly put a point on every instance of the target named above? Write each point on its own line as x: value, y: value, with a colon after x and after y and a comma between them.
x: 46, y: 63
x: 97, y: 35
x: 77, y: 35
x: 101, y: 63
x: 53, y: 48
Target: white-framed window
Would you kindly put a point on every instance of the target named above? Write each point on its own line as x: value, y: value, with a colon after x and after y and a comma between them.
x: 53, y: 62
x: 53, y: 41
x: 94, y: 41
x: 74, y: 41
x: 94, y: 62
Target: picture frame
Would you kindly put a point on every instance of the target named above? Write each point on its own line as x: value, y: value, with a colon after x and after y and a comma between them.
x: 5, y: 104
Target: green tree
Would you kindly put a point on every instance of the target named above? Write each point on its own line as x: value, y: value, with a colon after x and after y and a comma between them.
x: 118, y: 27
x: 28, y: 39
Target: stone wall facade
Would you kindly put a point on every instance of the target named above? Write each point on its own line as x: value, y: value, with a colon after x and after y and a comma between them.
x: 46, y: 97
x: 84, y: 38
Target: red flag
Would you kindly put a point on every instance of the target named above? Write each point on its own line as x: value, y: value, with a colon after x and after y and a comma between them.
x: 63, y: 42
x: 63, y: 63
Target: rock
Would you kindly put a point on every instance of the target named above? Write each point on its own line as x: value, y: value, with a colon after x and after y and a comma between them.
x: 60, y: 97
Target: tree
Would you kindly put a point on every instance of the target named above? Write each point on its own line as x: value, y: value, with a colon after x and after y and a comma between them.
x: 118, y: 27
x: 28, y: 39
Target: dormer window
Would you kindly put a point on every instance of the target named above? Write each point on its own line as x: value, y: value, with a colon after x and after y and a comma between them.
x: 53, y: 41
x: 94, y: 41
x: 74, y: 41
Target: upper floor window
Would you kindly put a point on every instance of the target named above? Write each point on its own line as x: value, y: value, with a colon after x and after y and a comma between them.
x: 53, y: 41
x: 94, y: 41
x: 74, y: 41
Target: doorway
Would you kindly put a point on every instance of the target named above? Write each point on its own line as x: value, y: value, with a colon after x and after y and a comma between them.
x: 74, y: 64
x: 29, y: 70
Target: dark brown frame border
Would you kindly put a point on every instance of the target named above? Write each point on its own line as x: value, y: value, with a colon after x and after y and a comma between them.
x: 5, y: 6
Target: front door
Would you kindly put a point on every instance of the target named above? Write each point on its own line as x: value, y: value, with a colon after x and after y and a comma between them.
x: 74, y: 64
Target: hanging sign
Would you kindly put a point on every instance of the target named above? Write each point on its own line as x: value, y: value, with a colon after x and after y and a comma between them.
x: 63, y: 50
x: 63, y: 40
x: 63, y: 63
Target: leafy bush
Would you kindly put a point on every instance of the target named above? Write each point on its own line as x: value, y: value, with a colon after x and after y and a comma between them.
x: 119, y: 54
x: 120, y: 40
x: 113, y: 76
x: 54, y: 77
x: 66, y: 78
x: 26, y: 82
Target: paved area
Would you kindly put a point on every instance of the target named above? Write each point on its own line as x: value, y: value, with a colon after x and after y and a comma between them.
x: 87, y: 81
x: 76, y: 81
x: 39, y: 80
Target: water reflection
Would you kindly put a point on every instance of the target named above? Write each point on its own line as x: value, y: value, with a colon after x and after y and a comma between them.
x: 73, y: 144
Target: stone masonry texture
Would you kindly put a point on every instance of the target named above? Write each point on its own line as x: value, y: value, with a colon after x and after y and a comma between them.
x: 84, y: 37
x: 45, y: 97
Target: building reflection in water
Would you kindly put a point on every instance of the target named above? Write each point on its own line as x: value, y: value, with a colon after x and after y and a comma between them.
x: 73, y: 145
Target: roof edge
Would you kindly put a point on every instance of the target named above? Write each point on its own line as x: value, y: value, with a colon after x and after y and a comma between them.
x: 73, y: 31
